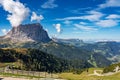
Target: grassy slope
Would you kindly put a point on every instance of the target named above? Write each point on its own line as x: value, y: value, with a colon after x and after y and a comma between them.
x: 84, y: 76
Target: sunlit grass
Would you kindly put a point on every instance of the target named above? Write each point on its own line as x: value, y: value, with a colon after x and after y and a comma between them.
x: 84, y: 76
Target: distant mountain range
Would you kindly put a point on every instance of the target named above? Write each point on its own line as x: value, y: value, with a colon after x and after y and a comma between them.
x: 81, y: 54
x: 74, y: 42
x: 109, y: 49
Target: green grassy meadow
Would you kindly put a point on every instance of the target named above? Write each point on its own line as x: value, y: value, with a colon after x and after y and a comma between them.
x: 85, y: 76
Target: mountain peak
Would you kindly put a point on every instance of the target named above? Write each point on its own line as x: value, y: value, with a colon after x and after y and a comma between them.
x: 28, y: 32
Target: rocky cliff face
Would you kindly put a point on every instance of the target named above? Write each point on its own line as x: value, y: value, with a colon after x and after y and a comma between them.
x: 29, y: 32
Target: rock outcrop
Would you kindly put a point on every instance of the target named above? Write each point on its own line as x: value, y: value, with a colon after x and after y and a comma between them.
x: 28, y: 32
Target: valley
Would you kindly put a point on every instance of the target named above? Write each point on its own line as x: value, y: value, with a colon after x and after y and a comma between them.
x: 61, y: 57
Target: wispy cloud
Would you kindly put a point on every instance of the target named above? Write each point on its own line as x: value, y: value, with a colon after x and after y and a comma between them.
x: 110, y: 3
x: 85, y: 28
x: 83, y: 23
x: 67, y: 22
x: 96, y: 17
x: 18, y: 12
x: 113, y: 16
x: 79, y: 10
x: 49, y: 4
x: 46, y: 30
x: 70, y: 18
x: 36, y: 17
x: 5, y: 31
x: 92, y: 16
x: 107, y: 23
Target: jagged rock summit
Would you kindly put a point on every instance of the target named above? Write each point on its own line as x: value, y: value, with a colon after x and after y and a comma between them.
x: 28, y: 32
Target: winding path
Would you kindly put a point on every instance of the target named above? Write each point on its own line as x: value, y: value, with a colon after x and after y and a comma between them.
x: 104, y: 74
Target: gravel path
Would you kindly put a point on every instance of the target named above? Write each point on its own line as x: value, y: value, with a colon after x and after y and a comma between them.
x: 105, y: 74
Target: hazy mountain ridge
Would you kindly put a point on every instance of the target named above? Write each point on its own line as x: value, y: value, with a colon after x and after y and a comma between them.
x: 109, y: 49
x: 74, y: 42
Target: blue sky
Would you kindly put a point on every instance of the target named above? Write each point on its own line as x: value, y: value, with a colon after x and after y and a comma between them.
x: 83, y: 19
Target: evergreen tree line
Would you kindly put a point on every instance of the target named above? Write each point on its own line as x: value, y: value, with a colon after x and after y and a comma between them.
x: 36, y: 60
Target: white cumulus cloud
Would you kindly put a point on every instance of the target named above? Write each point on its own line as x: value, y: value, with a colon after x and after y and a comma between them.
x: 36, y: 17
x: 107, y: 23
x: 49, y: 4
x: 58, y: 27
x: 17, y: 11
